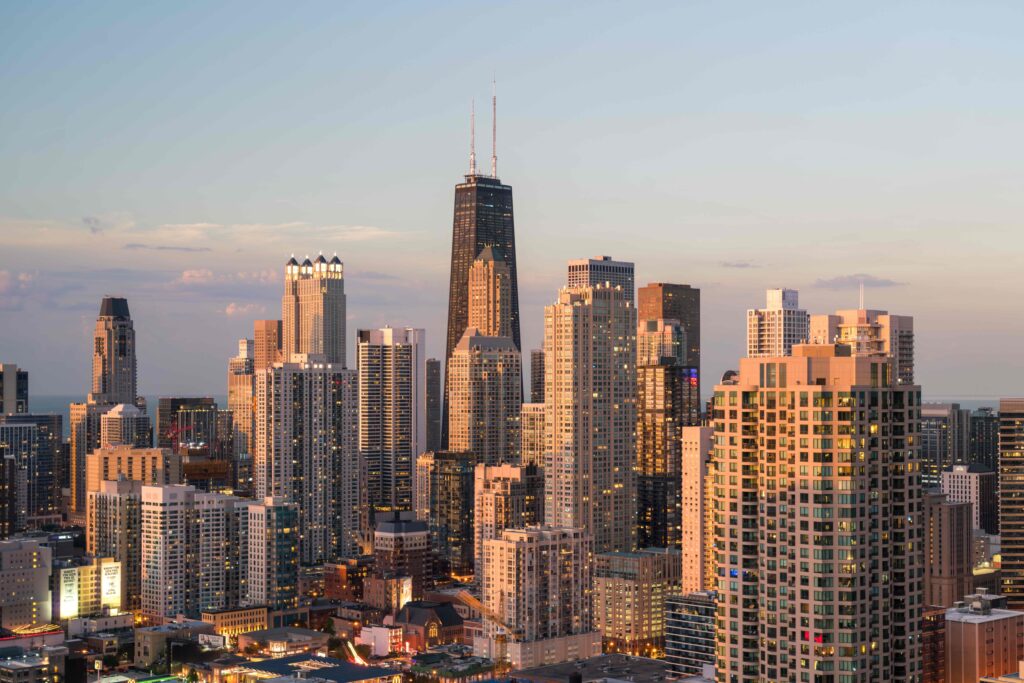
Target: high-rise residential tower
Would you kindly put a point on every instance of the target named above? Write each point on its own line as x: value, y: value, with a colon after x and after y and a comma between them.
x: 43, y: 478
x: 482, y: 218
x: 666, y: 301
x: 983, y: 443
x: 484, y: 398
x: 433, y: 404
x: 773, y: 330
x: 537, y: 376
x: 114, y: 365
x: 266, y: 340
x: 813, y: 453
x: 537, y: 592
x: 240, y: 389
x: 505, y: 497
x: 945, y: 437
x: 590, y: 414
x: 306, y: 452
x: 313, y: 310
x: 870, y: 333
x: 13, y: 389
x: 696, y: 451
x: 978, y: 485
x: 666, y: 402
x: 533, y: 436
x: 392, y: 413
x: 490, y: 294
x: 1011, y: 498
x: 949, y: 550
x: 602, y: 270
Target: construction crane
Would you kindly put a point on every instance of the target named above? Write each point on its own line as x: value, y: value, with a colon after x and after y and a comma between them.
x: 500, y: 639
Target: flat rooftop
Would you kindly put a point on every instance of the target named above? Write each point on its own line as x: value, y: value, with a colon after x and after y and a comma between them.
x: 613, y: 666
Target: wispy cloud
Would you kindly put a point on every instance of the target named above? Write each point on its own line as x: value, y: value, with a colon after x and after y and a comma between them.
x: 114, y: 221
x: 205, y: 276
x: 233, y: 309
x: 738, y: 264
x: 93, y: 224
x: 163, y: 247
x: 855, y: 280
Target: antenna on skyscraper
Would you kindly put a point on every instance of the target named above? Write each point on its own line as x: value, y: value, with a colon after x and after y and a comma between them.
x: 472, y: 137
x: 494, y: 128
x: 862, y: 294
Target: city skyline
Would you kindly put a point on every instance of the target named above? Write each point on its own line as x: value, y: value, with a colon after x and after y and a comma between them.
x: 720, y: 160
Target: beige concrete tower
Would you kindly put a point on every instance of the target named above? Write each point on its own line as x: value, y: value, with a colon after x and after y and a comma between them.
x: 484, y: 398
x: 870, y: 333
x: 313, y: 310
x: 490, y: 294
x: 266, y: 342
x: 114, y: 372
x: 818, y: 523
x: 532, y: 434
x: 948, y: 549
x: 629, y: 598
x: 505, y: 497
x: 696, y: 450
x: 590, y: 414
x: 537, y: 590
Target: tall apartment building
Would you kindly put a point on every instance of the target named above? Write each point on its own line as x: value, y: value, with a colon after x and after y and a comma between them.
x: 948, y: 550
x: 982, y: 640
x: 803, y: 445
x: 392, y: 413
x: 690, y: 632
x: 42, y: 448
x: 272, y: 552
x: 114, y: 529
x: 484, y: 398
x: 870, y: 333
x: 306, y: 452
x: 1011, y: 498
x: 449, y: 492
x: 401, y: 547
x: 945, y: 439
x: 26, y: 599
x: 188, y: 425
x: 313, y: 310
x: 125, y: 425
x: 667, y: 401
x: 505, y: 497
x: 630, y: 590
x: 267, y: 336
x: 191, y: 560
x: 978, y: 485
x: 114, y: 381
x: 114, y: 363
x: 434, y: 400
x: 696, y: 445
x: 773, y: 330
x: 483, y: 218
x: 532, y: 434
x: 983, y: 443
x: 538, y: 600
x: 241, y: 383
x: 667, y: 301
x: 537, y: 376
x: 13, y: 389
x: 590, y: 415
x: 602, y: 270
x: 151, y: 466
x: 12, y: 488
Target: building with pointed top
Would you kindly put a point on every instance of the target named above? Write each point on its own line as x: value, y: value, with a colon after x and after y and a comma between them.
x: 313, y: 309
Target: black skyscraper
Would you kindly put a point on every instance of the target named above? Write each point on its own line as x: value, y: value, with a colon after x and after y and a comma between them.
x: 483, y: 218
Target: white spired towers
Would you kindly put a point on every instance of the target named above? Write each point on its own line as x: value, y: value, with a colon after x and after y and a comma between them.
x: 313, y: 309
x: 590, y: 414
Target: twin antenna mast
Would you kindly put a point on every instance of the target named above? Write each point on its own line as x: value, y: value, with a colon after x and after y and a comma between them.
x: 494, y: 132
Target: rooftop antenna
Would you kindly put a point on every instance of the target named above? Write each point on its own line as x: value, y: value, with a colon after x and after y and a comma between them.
x: 862, y: 294
x: 472, y: 137
x: 494, y: 128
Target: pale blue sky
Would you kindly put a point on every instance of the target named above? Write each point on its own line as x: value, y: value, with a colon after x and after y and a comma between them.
x: 733, y: 146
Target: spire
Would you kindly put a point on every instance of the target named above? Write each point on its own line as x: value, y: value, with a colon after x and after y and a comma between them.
x: 494, y: 128
x: 862, y: 294
x: 472, y: 137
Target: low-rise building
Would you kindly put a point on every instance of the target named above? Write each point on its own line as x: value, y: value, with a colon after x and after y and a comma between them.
x: 45, y: 665
x: 304, y: 668
x: 153, y: 644
x: 381, y: 639
x: 234, y: 622
x: 282, y: 642
x: 982, y: 640
x: 429, y: 624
